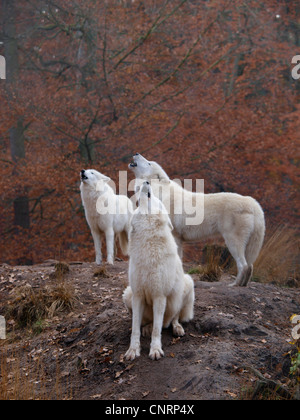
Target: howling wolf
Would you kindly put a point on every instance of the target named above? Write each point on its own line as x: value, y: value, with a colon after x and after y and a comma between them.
x: 106, y: 213
x: 159, y: 293
x: 238, y: 219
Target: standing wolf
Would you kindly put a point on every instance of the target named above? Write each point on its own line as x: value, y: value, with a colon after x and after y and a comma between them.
x: 238, y: 219
x: 160, y: 293
x: 106, y: 213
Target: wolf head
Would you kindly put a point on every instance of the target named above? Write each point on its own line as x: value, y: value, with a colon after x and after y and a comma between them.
x: 93, y: 179
x: 151, y: 205
x: 145, y: 169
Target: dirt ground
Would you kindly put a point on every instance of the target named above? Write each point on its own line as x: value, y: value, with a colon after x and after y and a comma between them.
x: 79, y: 355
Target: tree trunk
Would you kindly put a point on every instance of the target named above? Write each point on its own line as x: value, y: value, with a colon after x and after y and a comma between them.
x: 17, y: 139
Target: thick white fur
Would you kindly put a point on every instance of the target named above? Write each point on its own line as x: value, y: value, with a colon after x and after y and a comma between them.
x: 238, y: 219
x: 96, y: 193
x: 160, y: 293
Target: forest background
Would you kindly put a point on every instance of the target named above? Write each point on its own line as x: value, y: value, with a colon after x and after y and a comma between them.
x: 203, y: 87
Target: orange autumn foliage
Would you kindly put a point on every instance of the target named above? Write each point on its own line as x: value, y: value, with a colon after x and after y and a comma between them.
x: 204, y: 88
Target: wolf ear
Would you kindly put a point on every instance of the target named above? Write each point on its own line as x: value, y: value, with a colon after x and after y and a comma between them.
x: 105, y: 178
x: 101, y: 183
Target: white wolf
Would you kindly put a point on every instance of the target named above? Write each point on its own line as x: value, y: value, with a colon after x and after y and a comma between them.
x: 106, y: 213
x: 238, y: 219
x: 160, y: 293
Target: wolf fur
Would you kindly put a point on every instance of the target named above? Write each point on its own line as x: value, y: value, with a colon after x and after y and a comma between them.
x: 238, y: 219
x: 96, y: 194
x: 159, y: 293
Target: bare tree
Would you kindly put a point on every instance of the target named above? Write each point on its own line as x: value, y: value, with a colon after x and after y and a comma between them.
x: 17, y: 139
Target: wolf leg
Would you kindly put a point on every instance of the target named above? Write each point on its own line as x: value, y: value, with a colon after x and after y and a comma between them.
x: 110, y: 243
x: 237, y: 249
x: 159, y: 307
x: 98, y: 244
x: 137, y: 314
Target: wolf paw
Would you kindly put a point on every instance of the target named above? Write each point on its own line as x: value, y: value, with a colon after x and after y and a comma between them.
x: 156, y: 353
x: 132, y: 353
x: 234, y: 284
x: 178, y: 330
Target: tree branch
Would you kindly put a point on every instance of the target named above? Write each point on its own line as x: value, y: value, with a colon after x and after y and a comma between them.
x: 178, y: 67
x: 166, y: 135
x: 157, y: 23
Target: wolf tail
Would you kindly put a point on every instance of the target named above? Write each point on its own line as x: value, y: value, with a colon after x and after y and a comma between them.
x: 187, y: 312
x: 127, y: 298
x: 256, y: 240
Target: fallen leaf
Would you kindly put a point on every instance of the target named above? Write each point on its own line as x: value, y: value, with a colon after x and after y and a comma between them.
x: 129, y: 367
x: 118, y: 374
x: 96, y: 396
x: 144, y: 394
x: 232, y: 394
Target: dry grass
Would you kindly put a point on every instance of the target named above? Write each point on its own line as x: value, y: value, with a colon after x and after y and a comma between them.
x: 101, y: 272
x: 61, y: 269
x: 278, y: 261
x: 23, y: 381
x: 29, y: 306
x: 216, y: 260
x: 15, y: 382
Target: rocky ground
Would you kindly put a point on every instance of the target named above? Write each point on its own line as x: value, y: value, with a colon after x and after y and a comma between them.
x: 236, y: 334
